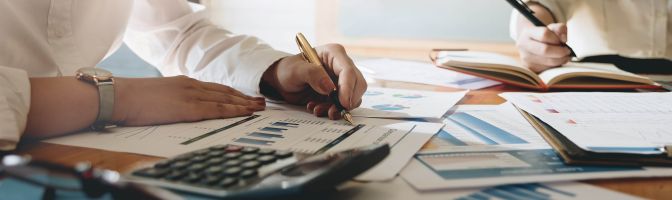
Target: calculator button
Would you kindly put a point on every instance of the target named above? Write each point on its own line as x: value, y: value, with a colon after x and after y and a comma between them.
x: 247, y: 157
x: 151, y: 172
x: 267, y: 159
x: 227, y: 182
x: 184, y: 157
x: 233, y: 148
x: 211, y: 180
x: 266, y: 152
x: 214, y: 170
x: 283, y: 154
x: 218, y: 147
x: 233, y: 171
x: 175, y: 175
x: 232, y: 155
x: 180, y: 165
x: 163, y: 164
x: 198, y: 167
x: 215, y: 161
x: 198, y: 159
x: 215, y: 154
x: 232, y: 163
x: 248, y: 173
x: 192, y: 177
x: 251, y: 165
x: 247, y: 150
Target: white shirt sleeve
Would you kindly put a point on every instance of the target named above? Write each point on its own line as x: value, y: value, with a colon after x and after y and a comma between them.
x: 14, y: 106
x: 178, y: 41
x: 558, y: 9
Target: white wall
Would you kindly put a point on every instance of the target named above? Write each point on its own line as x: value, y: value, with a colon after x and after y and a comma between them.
x: 274, y: 21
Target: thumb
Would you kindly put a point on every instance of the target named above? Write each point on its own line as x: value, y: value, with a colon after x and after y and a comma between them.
x: 317, y: 78
x: 559, y: 29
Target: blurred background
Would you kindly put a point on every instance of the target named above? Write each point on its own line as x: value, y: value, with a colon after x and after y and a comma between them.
x: 368, y: 28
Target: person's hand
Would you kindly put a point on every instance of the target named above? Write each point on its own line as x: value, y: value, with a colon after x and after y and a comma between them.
x: 541, y: 49
x: 298, y: 82
x: 149, y: 101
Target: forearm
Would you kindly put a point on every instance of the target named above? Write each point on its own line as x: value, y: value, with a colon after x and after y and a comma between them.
x: 61, y: 105
x: 539, y: 11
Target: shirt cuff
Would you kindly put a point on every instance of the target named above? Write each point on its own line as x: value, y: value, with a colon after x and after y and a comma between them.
x: 255, y: 64
x: 14, y: 106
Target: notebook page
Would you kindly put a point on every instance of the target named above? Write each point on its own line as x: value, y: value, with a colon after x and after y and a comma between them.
x: 598, y: 69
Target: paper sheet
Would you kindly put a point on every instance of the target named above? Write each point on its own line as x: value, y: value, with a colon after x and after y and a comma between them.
x: 398, y: 103
x: 400, y: 190
x: 419, y: 72
x: 475, y: 154
x: 484, y: 128
x: 287, y: 130
x: 602, y: 121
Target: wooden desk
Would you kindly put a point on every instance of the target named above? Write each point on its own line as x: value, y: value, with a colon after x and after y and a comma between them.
x: 654, y: 188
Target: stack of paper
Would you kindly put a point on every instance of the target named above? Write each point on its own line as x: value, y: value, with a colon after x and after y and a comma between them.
x: 604, y: 122
x: 399, y: 190
x: 289, y: 130
x: 419, y: 72
x: 494, y: 145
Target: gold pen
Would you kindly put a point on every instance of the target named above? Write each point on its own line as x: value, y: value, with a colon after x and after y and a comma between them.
x: 311, y: 56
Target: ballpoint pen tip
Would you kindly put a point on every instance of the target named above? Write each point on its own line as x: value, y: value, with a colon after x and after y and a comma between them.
x: 348, y: 118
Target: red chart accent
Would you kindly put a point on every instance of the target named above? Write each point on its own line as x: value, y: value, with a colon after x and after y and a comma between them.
x: 552, y: 110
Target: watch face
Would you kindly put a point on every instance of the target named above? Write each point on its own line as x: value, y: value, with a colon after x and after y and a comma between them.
x: 97, y: 73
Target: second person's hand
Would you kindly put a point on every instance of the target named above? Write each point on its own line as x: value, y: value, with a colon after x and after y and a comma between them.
x: 541, y: 49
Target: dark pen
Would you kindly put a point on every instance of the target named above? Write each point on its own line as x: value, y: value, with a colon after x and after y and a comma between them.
x: 524, y: 10
x: 311, y: 56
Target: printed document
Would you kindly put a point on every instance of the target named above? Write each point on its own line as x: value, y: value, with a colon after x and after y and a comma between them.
x: 399, y: 103
x: 287, y: 130
x: 494, y: 146
x: 604, y: 121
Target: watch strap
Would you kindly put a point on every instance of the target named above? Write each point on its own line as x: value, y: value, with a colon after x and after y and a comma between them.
x: 106, y: 104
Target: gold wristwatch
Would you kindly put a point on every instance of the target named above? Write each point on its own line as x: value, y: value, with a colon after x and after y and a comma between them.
x: 105, y: 82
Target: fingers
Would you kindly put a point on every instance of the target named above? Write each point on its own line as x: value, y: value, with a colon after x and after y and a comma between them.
x: 215, y: 110
x: 546, y: 35
x: 542, y: 48
x: 231, y: 99
x: 333, y: 113
x: 351, y: 82
x: 532, y: 58
x: 321, y: 109
x: 228, y: 90
x: 560, y: 29
x: 316, y: 77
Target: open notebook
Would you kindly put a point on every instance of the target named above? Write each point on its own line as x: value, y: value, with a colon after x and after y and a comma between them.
x: 572, y: 75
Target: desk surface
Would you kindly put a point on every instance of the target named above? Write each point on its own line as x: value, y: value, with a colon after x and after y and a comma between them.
x: 653, y: 188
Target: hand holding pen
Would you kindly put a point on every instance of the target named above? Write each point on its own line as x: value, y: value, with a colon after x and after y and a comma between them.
x: 297, y: 81
x: 540, y: 46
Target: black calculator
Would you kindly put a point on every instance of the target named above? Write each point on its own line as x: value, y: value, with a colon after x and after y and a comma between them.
x: 244, y: 172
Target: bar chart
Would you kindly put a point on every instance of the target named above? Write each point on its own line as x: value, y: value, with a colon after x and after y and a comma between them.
x: 531, y: 191
x: 488, y: 133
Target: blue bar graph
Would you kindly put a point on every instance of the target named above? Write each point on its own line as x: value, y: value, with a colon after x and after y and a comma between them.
x: 254, y: 141
x: 533, y: 191
x: 447, y: 137
x: 285, y: 124
x: 485, y: 131
x: 266, y: 135
x: 273, y: 129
